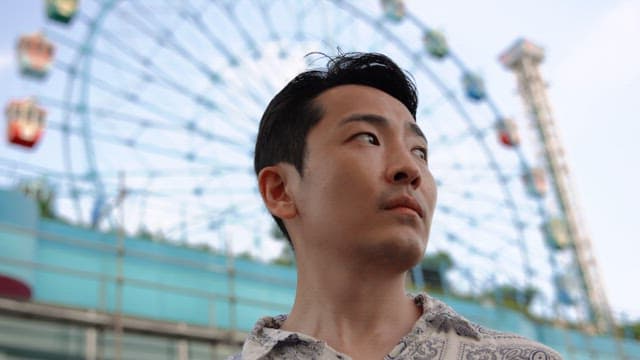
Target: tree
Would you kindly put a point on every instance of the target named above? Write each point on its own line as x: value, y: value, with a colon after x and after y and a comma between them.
x: 440, y: 261
x: 434, y: 268
x: 42, y: 192
x: 513, y: 297
x: 286, y: 257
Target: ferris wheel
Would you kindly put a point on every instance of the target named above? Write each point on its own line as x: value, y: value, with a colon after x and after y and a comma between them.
x: 152, y: 108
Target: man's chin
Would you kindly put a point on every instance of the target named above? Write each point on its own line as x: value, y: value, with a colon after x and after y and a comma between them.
x: 398, y: 255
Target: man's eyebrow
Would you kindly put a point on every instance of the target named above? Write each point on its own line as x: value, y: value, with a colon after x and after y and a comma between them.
x: 368, y: 118
x: 416, y: 130
x: 378, y: 120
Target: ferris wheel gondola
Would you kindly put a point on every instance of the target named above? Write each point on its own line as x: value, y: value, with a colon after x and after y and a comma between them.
x: 61, y: 11
x: 35, y: 55
x: 25, y: 122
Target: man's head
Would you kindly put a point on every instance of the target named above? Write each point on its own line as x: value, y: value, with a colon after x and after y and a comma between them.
x: 294, y: 111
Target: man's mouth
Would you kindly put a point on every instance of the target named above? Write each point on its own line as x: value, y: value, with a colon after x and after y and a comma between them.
x: 407, y: 202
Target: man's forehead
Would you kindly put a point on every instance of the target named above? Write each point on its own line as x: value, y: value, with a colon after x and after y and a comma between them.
x: 349, y: 97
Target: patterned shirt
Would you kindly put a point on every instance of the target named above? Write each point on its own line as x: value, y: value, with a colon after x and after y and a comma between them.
x: 440, y: 333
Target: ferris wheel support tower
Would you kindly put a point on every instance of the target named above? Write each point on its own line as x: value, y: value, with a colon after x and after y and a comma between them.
x: 523, y: 58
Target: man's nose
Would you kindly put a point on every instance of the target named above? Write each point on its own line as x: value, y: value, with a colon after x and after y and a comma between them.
x: 404, y: 169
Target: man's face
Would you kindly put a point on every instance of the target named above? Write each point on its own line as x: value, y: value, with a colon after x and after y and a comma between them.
x: 366, y: 191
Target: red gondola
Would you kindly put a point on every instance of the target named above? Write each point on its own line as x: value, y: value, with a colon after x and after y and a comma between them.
x: 25, y: 122
x: 508, y: 132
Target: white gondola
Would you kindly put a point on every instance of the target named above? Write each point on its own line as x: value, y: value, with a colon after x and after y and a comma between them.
x: 435, y: 44
x: 556, y: 234
x: 35, y: 55
x: 535, y: 182
x: 394, y: 10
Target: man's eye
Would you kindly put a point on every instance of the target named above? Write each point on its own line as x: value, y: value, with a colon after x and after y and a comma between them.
x: 368, y: 137
x: 421, y: 153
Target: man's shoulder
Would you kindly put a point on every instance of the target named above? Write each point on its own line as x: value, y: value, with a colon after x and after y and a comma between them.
x: 477, y: 341
x: 508, y: 345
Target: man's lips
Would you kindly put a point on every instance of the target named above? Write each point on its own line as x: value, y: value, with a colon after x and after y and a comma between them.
x: 404, y: 202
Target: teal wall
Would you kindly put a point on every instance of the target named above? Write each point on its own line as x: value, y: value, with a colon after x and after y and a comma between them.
x: 18, y: 210
x: 74, y: 266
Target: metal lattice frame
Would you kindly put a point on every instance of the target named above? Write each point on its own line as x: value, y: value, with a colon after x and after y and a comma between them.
x: 524, y: 58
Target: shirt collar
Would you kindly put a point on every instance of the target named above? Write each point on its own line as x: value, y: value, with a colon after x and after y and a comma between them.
x: 436, y: 316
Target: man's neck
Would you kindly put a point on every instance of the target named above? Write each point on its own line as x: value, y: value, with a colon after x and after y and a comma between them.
x: 361, y: 314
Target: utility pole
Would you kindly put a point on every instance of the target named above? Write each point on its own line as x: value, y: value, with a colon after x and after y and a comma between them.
x: 118, y: 329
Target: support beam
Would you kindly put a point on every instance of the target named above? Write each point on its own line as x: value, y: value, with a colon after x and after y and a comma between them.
x: 101, y: 320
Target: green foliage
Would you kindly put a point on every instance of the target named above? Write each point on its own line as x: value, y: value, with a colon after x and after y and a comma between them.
x: 42, y: 192
x: 277, y: 233
x: 629, y: 330
x: 434, y: 267
x: 146, y: 234
x: 512, y: 297
x: 286, y: 257
x: 440, y: 261
x: 245, y: 255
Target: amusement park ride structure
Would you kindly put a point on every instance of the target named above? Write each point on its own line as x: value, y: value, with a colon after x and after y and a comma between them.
x: 26, y: 124
x: 523, y: 58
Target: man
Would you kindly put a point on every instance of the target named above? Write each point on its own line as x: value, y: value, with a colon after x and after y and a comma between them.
x: 343, y: 168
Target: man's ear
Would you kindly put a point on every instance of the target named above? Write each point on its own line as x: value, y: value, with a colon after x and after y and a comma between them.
x: 272, y: 182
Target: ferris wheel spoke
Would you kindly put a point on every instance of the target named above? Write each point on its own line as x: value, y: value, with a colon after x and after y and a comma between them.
x: 196, y: 17
x: 150, y: 71
x: 475, y: 221
x: 264, y: 12
x: 245, y: 35
x: 171, y: 174
x: 302, y: 12
x: 453, y: 238
x: 190, y: 127
x: 231, y: 58
x: 171, y: 190
x: 13, y: 168
x: 213, y: 218
x: 464, y: 194
x: 133, y: 143
x: 462, y: 136
x: 164, y: 38
x: 133, y: 99
x: 251, y: 44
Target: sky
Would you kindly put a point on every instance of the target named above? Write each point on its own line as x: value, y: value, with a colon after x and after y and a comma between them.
x: 591, y: 66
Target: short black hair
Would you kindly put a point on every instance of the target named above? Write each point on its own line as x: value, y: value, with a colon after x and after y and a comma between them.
x: 293, y: 112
